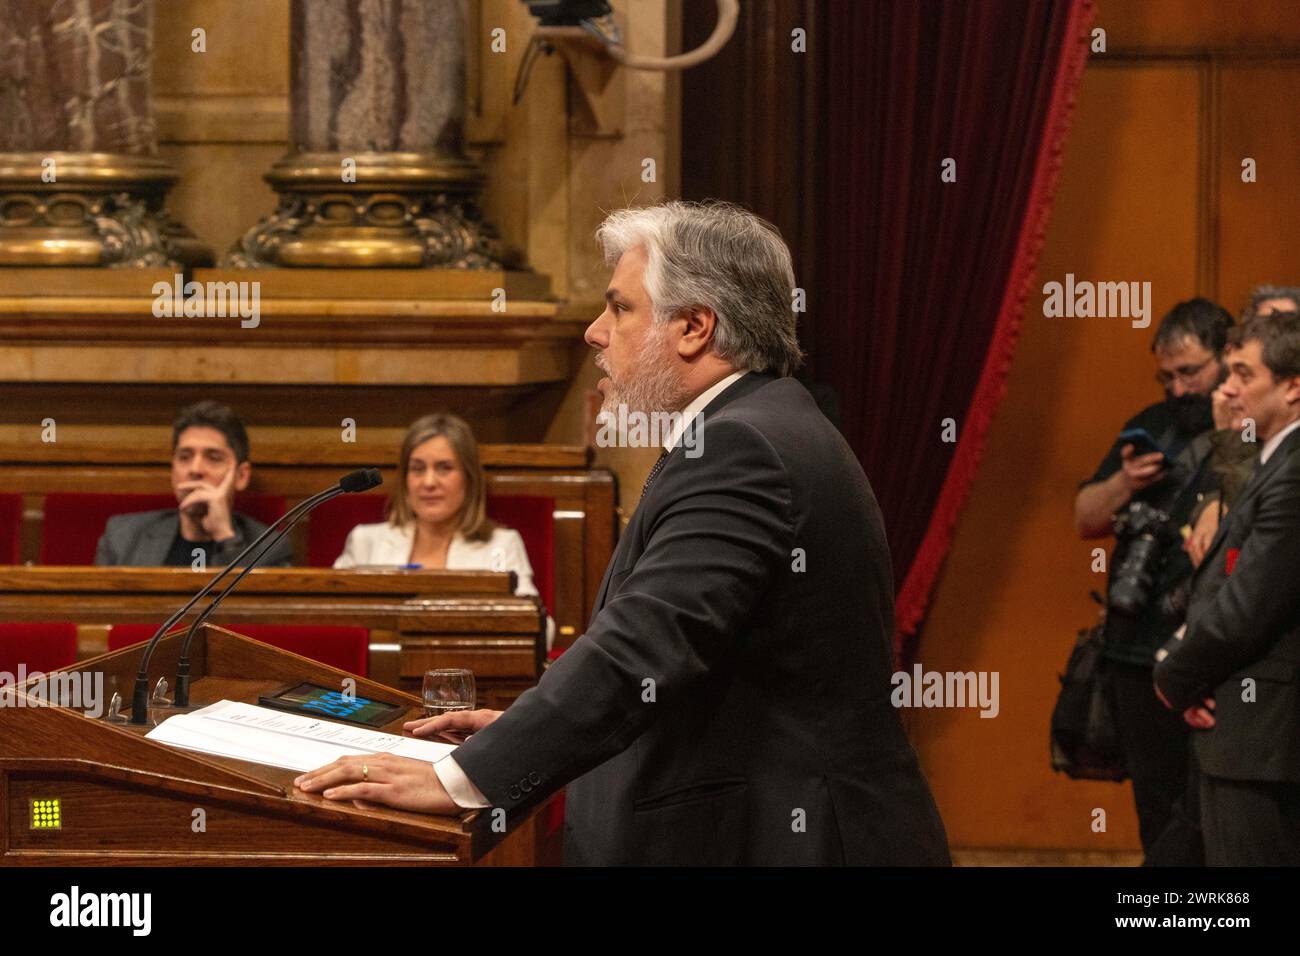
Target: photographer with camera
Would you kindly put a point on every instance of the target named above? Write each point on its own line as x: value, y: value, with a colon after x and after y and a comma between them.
x: 1144, y: 491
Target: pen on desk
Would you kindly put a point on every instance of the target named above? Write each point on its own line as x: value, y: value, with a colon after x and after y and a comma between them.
x: 412, y: 567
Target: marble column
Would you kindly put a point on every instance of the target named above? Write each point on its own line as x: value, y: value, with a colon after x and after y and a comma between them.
x: 80, y: 179
x: 375, y: 175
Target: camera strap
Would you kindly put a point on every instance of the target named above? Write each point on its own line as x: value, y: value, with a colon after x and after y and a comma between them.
x: 1193, y: 459
x: 1188, y: 464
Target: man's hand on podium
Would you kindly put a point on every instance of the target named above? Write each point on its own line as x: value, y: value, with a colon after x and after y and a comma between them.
x: 399, y: 782
x: 456, y: 726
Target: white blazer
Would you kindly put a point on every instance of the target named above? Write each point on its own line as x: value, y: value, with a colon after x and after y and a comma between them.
x: 382, y: 544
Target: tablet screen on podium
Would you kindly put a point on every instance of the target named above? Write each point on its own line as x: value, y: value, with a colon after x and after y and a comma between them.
x: 313, y: 700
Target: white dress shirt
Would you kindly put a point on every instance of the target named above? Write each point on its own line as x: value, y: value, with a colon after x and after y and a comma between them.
x: 454, y: 780
x: 691, y: 411
x: 1271, y: 445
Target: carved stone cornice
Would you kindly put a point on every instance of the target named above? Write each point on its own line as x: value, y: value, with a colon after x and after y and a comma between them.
x: 303, y: 327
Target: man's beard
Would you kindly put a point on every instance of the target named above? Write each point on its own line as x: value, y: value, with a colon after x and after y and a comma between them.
x: 1192, y: 413
x: 651, y: 384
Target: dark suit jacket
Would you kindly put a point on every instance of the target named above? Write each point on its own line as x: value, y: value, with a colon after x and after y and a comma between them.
x: 767, y: 735
x: 143, y: 539
x: 1247, y: 624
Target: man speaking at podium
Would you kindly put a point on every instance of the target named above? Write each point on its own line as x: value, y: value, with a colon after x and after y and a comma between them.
x: 729, y: 703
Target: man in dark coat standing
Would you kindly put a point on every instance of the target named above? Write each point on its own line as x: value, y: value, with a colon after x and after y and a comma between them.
x: 729, y: 702
x: 1235, y: 675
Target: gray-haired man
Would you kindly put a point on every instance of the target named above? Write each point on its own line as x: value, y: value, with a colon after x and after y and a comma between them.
x: 729, y: 702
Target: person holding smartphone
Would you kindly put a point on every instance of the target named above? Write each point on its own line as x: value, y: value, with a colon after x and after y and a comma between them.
x: 1149, y: 483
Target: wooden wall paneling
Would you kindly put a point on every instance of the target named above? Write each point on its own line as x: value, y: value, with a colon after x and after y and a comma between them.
x: 1199, y: 25
x: 416, y: 620
x: 1259, y: 221
x: 377, y: 409
x: 1208, y: 216
x: 1015, y: 586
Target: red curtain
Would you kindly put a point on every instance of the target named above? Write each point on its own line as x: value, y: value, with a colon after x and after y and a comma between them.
x: 925, y: 281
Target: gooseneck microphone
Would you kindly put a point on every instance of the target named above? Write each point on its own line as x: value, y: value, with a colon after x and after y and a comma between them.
x: 357, y: 481
x: 352, y: 483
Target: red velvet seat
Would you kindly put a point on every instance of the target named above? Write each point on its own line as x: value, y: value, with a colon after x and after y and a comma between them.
x: 11, y: 526
x: 75, y: 521
x: 328, y: 525
x: 124, y: 635
x: 42, y: 646
x: 531, y: 515
x: 534, y: 518
x: 347, y: 648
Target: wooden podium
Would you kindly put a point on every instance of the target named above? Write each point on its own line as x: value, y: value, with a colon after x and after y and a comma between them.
x: 106, y: 795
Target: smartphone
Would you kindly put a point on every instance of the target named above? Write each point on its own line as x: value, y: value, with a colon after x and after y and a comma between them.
x: 1142, y: 441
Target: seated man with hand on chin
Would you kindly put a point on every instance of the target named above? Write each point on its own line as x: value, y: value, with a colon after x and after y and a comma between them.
x: 209, y: 467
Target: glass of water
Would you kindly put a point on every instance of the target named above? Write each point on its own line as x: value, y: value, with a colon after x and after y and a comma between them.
x: 447, y: 689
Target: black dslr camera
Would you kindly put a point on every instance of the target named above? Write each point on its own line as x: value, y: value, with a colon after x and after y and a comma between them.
x: 1144, y: 534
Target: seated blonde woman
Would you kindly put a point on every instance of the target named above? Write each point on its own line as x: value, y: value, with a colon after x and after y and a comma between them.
x: 437, y: 514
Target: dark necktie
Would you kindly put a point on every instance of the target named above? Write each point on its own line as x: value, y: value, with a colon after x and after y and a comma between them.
x: 654, y: 473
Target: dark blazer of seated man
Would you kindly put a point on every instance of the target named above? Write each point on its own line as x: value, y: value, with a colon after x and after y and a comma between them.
x: 729, y: 702
x: 209, y: 467
x: 1236, y: 673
